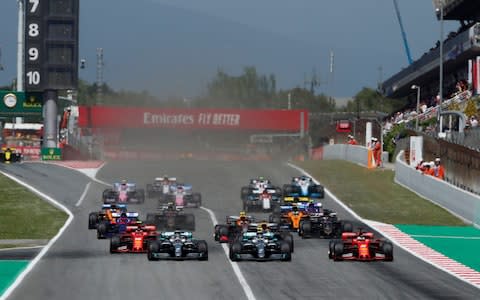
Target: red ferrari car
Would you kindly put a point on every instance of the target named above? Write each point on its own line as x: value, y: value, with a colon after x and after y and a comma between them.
x: 362, y: 246
x: 135, y: 239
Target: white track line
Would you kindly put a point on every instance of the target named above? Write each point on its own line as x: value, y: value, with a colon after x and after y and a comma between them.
x: 21, y: 248
x: 34, y: 262
x: 445, y: 237
x: 348, y: 209
x: 379, y: 227
x: 84, y: 194
x: 235, y: 267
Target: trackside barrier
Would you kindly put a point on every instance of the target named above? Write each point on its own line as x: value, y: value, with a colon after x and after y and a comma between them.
x: 353, y: 153
x: 464, y: 204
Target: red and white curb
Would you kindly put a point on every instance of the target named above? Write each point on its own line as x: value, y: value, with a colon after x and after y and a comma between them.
x: 427, y: 254
x: 80, y: 164
x: 411, y: 245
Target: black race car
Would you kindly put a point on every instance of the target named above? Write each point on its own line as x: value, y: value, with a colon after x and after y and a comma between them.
x: 177, y: 245
x: 260, y: 246
x: 171, y: 217
x: 322, y: 222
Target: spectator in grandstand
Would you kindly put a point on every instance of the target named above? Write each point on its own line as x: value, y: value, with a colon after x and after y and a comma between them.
x: 423, y: 107
x: 473, y: 121
x: 438, y: 169
x: 351, y: 140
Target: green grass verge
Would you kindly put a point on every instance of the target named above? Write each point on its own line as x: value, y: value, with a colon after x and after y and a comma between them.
x: 373, y: 194
x: 23, y: 215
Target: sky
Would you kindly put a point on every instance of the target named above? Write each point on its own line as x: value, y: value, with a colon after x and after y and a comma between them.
x: 174, y: 47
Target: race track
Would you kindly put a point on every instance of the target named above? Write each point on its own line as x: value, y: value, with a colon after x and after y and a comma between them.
x: 79, y: 266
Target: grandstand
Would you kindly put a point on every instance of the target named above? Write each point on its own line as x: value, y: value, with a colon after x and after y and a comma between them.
x: 462, y: 10
x: 460, y: 50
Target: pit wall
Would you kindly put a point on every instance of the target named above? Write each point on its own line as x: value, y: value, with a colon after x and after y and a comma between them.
x: 462, y: 203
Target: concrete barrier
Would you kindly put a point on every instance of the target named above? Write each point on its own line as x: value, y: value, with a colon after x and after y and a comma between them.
x: 461, y: 203
x: 464, y: 204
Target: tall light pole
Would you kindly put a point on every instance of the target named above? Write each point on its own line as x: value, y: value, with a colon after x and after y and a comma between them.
x: 416, y: 87
x: 440, y: 87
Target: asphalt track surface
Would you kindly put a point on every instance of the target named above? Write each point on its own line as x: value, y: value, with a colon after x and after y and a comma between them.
x: 78, y: 266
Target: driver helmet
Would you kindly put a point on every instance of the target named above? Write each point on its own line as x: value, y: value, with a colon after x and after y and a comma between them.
x: 264, y: 226
x: 243, y: 216
x: 361, y: 238
x: 165, y: 177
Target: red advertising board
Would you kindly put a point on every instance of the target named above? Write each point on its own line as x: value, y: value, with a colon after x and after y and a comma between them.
x: 134, y: 117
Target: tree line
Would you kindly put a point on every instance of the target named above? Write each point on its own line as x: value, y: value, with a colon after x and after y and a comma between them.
x: 250, y: 89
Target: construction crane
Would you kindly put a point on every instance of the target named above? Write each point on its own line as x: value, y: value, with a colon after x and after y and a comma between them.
x: 404, y: 35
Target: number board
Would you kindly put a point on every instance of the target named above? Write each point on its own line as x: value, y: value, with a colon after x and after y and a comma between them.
x: 34, y: 45
x: 51, y: 44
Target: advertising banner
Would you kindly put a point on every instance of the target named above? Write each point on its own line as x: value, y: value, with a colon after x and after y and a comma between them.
x: 230, y: 119
x: 20, y: 104
x: 416, y: 150
x: 51, y: 154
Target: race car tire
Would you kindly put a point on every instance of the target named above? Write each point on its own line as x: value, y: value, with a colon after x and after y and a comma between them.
x: 331, y: 248
x: 222, y: 231
x: 288, y: 237
x: 92, y: 220
x: 305, y: 229
x: 101, y: 230
x: 287, y: 189
x: 244, y: 192
x: 319, y: 190
x: 114, y: 243
x: 387, y: 249
x: 235, y: 248
x: 203, y: 248
x: 338, y: 249
x: 197, y: 199
x: 150, y: 192
x: 286, y: 250
x: 347, y: 226
x: 153, y: 247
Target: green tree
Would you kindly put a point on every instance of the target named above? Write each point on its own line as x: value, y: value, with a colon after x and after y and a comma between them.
x: 471, y: 108
x: 249, y: 89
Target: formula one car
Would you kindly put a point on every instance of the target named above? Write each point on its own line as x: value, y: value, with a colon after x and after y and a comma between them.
x: 360, y: 246
x: 135, y: 239
x: 290, y: 216
x: 124, y: 192
x: 105, y: 214
x: 257, y: 186
x: 233, y: 226
x: 302, y: 189
x: 118, y: 224
x: 9, y: 155
x: 172, y: 217
x: 182, y: 195
x: 160, y: 187
x: 177, y: 245
x: 260, y: 246
x: 322, y: 222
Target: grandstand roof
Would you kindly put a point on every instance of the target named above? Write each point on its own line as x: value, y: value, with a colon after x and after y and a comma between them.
x: 458, y: 9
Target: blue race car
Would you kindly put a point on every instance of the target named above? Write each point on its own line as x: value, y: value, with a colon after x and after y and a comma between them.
x: 302, y: 189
